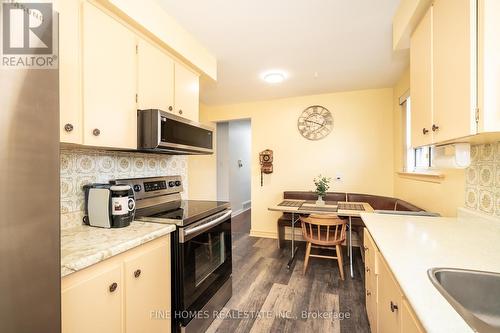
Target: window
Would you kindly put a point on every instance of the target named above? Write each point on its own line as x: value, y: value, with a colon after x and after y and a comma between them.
x: 415, y: 159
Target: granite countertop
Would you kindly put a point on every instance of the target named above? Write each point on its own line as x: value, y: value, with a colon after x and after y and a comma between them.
x: 83, y: 246
x: 411, y: 245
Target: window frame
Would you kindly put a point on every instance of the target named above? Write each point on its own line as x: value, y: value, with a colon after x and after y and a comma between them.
x: 411, y: 157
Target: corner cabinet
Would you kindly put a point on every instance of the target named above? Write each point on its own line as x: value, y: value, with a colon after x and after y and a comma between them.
x: 387, y: 309
x: 126, y: 293
x: 108, y: 70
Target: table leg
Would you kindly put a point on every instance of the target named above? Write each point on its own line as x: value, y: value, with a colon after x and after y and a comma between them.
x: 293, y: 248
x: 350, y: 246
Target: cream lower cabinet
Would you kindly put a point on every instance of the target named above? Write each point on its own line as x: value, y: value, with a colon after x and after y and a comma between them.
x: 371, y: 281
x: 147, y: 294
x: 387, y: 309
x: 94, y: 303
x: 389, y: 301
x: 126, y: 293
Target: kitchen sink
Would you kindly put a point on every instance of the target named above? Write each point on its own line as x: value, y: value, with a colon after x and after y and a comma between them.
x: 475, y: 295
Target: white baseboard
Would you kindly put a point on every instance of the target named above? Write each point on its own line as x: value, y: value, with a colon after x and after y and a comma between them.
x: 247, y: 204
x: 238, y: 212
x: 263, y: 234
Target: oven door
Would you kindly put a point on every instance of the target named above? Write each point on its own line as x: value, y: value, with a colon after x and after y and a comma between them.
x: 205, y: 261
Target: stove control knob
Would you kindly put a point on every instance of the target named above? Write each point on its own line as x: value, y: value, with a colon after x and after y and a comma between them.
x: 171, y: 184
x: 177, y: 183
x: 137, y: 188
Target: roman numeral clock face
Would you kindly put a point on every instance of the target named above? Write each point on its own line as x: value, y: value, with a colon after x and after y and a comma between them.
x: 315, y: 122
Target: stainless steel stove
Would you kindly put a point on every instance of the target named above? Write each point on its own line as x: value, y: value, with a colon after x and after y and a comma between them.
x: 201, y: 248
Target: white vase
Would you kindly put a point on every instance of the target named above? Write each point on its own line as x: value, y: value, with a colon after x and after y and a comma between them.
x: 320, y: 201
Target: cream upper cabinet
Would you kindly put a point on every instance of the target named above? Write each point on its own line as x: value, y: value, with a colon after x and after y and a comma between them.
x: 186, y: 93
x: 94, y: 303
x: 70, y: 98
x: 389, y: 301
x: 155, y: 86
x: 489, y: 65
x: 147, y: 280
x: 108, y: 70
x: 109, y: 81
x: 454, y: 69
x: 421, y: 82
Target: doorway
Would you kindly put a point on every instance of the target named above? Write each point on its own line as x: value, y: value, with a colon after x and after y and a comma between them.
x: 234, y: 146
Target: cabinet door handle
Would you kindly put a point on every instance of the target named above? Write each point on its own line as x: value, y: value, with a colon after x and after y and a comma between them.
x: 435, y: 127
x: 170, y: 108
x: 113, y: 287
x: 365, y: 248
x: 137, y: 273
x: 180, y: 111
x: 367, y: 269
x: 425, y: 131
x: 68, y: 127
x: 96, y: 132
x: 394, y: 306
x: 368, y: 293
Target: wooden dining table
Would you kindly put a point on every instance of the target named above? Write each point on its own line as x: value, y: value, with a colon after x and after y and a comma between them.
x: 303, y: 207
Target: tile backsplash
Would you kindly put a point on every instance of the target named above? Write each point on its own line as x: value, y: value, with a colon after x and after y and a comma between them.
x: 83, y: 166
x: 482, y: 185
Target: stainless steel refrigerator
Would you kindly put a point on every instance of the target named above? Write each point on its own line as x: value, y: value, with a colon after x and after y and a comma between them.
x: 30, y: 299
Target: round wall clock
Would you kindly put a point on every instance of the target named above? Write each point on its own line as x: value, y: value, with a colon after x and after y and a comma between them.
x: 315, y: 122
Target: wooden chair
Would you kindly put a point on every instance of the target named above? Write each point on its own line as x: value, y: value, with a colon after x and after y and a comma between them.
x: 324, y: 231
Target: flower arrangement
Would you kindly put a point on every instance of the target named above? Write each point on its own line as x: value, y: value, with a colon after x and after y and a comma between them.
x: 322, y: 185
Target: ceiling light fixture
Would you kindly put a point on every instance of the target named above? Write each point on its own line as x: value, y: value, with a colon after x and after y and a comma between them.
x: 274, y: 77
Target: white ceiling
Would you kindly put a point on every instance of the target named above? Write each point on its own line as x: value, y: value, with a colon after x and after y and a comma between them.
x: 348, y: 43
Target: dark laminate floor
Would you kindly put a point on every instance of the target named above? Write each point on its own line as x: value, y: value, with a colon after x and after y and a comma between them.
x: 267, y: 297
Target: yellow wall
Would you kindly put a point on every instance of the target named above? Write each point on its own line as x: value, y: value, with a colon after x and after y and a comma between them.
x: 360, y: 148
x: 443, y: 197
x: 202, y: 170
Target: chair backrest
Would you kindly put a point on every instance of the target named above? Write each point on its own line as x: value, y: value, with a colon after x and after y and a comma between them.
x: 325, y: 230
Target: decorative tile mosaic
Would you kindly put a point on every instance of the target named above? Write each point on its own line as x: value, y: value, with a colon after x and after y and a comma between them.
x: 482, y: 188
x: 83, y: 166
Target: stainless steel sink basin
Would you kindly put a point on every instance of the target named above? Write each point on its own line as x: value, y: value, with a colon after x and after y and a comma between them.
x: 475, y: 295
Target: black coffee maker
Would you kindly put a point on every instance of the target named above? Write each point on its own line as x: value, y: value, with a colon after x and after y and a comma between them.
x: 109, y: 206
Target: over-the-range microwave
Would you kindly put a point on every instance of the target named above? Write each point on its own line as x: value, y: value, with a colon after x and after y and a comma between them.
x: 163, y: 132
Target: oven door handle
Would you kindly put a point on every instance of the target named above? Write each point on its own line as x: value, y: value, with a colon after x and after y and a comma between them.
x: 207, y: 225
